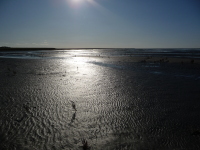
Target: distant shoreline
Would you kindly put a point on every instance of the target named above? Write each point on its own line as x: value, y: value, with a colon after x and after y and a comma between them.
x: 24, y: 49
x: 12, y: 49
x: 37, y: 49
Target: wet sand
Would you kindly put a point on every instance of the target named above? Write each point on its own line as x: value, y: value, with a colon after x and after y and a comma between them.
x: 122, y: 103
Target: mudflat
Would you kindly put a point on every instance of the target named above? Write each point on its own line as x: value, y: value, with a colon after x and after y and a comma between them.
x: 128, y: 102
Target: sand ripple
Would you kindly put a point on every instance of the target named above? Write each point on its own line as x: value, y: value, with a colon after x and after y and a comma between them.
x: 129, y: 109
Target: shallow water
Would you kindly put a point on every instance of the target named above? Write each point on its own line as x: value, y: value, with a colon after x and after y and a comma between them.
x: 66, y: 54
x: 120, y: 105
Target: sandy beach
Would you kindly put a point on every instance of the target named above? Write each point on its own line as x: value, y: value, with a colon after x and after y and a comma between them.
x: 122, y: 103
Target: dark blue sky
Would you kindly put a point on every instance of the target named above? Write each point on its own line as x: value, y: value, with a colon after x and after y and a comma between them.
x: 100, y: 23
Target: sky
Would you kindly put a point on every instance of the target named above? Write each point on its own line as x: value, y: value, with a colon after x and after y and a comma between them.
x: 100, y: 23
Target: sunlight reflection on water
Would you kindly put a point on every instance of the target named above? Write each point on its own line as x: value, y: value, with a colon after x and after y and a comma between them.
x: 62, y: 54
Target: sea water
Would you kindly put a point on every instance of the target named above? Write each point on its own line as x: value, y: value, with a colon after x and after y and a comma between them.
x: 66, y: 53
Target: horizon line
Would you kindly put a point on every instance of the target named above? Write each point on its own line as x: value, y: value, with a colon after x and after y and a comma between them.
x: 7, y: 47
